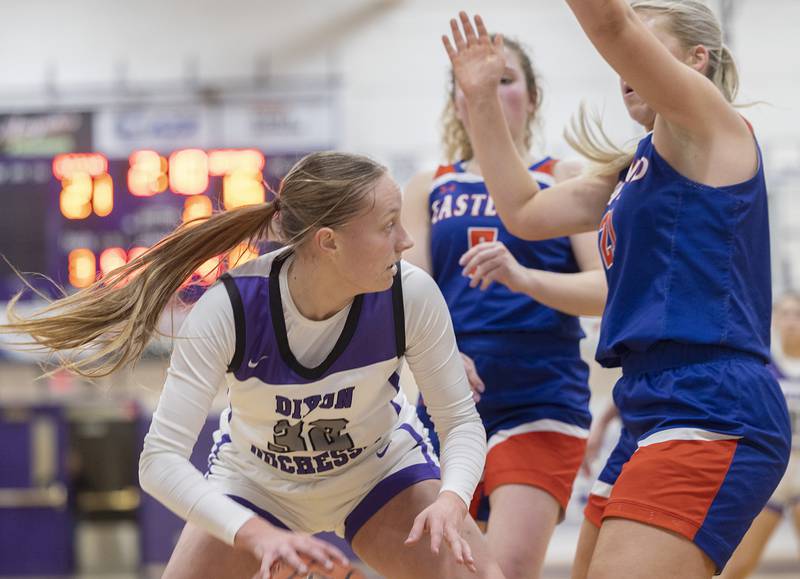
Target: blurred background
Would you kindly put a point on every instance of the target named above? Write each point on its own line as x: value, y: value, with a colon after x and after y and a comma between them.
x: 120, y: 120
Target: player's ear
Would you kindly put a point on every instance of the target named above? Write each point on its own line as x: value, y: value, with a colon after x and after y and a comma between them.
x: 325, y: 240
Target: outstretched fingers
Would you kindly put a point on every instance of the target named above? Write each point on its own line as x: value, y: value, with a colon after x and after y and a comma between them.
x: 461, y: 44
x: 469, y: 31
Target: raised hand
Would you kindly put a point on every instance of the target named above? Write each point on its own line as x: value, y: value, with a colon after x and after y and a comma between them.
x: 478, y: 61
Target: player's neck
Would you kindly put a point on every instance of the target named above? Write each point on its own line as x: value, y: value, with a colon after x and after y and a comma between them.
x: 312, y: 289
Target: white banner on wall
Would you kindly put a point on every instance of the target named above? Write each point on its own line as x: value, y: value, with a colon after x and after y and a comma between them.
x: 273, y: 124
x: 118, y: 132
x: 281, y: 123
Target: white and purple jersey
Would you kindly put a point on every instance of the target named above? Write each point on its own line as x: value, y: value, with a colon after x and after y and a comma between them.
x: 306, y: 420
x: 310, y: 401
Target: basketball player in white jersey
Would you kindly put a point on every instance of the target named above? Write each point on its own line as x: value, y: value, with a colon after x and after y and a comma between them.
x: 310, y: 340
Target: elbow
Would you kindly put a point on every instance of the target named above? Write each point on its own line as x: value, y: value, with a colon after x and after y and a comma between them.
x: 517, y: 228
x: 526, y: 230
x: 516, y: 224
x: 152, y: 467
x: 145, y: 470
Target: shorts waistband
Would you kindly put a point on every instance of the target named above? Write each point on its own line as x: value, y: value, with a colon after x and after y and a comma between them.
x: 665, y: 355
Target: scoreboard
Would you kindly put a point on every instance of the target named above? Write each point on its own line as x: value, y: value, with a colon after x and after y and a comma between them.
x: 77, y: 216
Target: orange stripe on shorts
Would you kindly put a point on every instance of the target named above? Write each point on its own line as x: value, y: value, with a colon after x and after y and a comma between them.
x: 672, y: 484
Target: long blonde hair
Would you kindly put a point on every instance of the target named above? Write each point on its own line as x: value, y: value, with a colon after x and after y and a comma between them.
x: 692, y: 23
x: 455, y: 139
x: 110, y: 322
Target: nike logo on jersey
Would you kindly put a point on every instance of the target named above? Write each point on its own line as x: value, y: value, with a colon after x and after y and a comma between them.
x: 253, y: 364
x: 381, y: 453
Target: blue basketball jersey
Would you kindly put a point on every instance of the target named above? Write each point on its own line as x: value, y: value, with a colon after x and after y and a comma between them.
x: 462, y: 215
x: 685, y: 262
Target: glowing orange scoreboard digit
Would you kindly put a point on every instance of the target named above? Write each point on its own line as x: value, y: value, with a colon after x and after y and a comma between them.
x: 112, y: 210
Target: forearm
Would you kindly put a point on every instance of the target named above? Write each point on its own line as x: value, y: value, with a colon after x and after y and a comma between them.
x: 174, y: 482
x: 436, y: 363
x: 578, y: 294
x: 504, y: 171
x: 202, y: 349
x: 164, y: 468
x: 609, y: 414
x: 462, y: 457
x: 600, y: 18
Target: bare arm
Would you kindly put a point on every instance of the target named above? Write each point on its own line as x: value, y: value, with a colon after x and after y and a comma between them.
x: 415, y: 217
x: 577, y: 294
x: 698, y: 130
x: 597, y: 435
x: 574, y: 206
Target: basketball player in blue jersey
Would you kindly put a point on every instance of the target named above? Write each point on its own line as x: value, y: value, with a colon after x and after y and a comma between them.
x: 318, y: 435
x: 786, y: 498
x: 514, y: 305
x: 684, y: 240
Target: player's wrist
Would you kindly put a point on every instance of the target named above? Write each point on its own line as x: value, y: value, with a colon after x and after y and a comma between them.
x: 526, y: 281
x: 248, y: 535
x: 452, y: 500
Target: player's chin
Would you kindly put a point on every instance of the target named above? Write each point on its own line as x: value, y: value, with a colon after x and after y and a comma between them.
x: 386, y: 281
x: 382, y: 282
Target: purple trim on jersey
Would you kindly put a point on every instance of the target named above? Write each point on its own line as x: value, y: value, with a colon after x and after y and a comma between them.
x: 394, y: 380
x: 224, y: 439
x: 396, y: 406
x: 420, y: 442
x: 373, y: 338
x: 260, y: 512
x: 385, y: 491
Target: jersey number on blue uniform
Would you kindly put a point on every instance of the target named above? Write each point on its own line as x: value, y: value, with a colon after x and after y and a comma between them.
x: 478, y: 235
x: 608, y: 240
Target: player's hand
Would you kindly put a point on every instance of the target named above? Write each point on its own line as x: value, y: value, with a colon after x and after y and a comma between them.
x: 475, y: 383
x: 443, y: 520
x: 491, y: 261
x: 478, y: 61
x: 270, y: 544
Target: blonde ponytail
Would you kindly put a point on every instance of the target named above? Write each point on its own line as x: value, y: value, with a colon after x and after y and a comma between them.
x: 586, y: 135
x: 109, y: 323
x: 726, y: 75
